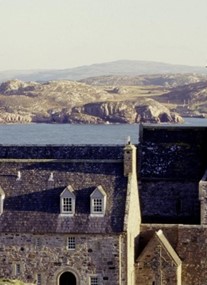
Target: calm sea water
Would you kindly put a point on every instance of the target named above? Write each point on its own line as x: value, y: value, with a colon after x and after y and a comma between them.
x: 74, y: 134
x: 67, y: 134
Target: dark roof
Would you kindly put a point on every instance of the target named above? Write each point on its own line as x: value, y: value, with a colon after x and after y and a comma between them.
x: 32, y: 204
x: 160, y: 238
x: 61, y: 152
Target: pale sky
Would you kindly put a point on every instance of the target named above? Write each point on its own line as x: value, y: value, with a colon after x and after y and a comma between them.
x: 57, y: 34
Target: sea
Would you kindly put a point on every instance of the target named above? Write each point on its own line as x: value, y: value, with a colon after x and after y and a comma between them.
x: 67, y: 134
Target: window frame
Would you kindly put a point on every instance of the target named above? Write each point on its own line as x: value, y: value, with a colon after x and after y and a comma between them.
x: 97, y: 205
x: 38, y: 242
x: 67, y: 207
x: 39, y: 279
x: 17, y: 269
x: 71, y: 243
x: 94, y: 277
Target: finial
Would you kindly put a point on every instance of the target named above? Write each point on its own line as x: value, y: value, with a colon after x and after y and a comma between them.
x: 51, y: 178
x: 18, y: 175
x: 128, y: 140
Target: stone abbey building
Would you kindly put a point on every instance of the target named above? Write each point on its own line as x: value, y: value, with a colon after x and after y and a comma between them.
x: 107, y: 215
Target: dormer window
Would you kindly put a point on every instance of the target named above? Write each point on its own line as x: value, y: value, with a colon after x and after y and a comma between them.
x: 67, y: 201
x: 2, y: 196
x: 98, y: 202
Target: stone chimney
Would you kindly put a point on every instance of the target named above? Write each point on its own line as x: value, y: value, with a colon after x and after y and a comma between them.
x: 203, y: 199
x: 2, y: 196
x: 129, y: 159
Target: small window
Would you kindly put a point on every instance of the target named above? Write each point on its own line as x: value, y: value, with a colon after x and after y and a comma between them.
x: 18, y: 269
x: 71, y: 243
x: 39, y: 279
x: 67, y: 205
x: 94, y: 280
x: 38, y: 242
x: 97, y: 205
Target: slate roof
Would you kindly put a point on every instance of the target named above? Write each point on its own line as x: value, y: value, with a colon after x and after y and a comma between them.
x: 32, y: 204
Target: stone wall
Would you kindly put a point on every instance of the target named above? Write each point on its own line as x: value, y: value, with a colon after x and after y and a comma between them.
x: 190, y: 244
x: 173, y: 152
x: 172, y: 161
x: 169, y: 202
x: 48, y: 255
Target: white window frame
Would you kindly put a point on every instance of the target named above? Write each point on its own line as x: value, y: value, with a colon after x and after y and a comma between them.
x: 95, y: 279
x: 39, y: 279
x: 67, y: 205
x: 17, y: 269
x: 38, y: 242
x: 97, y: 205
x: 71, y: 243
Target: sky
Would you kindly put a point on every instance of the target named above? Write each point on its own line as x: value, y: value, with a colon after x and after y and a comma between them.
x: 58, y: 34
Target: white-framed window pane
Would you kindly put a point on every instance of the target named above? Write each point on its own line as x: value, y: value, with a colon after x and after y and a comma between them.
x: 97, y: 205
x: 67, y: 205
x: 71, y: 242
x: 38, y: 242
x: 94, y: 280
x: 18, y: 270
x: 39, y: 279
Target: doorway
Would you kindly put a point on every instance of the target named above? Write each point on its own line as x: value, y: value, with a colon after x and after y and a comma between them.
x: 67, y: 278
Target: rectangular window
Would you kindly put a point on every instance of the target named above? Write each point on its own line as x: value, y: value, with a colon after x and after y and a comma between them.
x: 71, y: 243
x: 38, y: 242
x: 67, y: 205
x: 97, y: 205
x: 94, y: 280
x: 39, y: 279
x: 18, y: 270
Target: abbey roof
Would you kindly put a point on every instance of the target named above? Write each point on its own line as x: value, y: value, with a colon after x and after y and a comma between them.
x: 32, y: 199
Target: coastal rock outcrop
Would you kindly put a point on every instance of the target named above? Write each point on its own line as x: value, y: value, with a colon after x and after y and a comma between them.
x: 145, y: 110
x: 73, y: 102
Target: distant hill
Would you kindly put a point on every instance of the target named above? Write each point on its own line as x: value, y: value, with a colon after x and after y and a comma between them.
x: 164, y: 80
x: 120, y: 67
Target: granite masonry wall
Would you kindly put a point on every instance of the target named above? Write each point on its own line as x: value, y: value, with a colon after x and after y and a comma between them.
x: 173, y: 152
x: 172, y: 160
x: 33, y: 238
x: 190, y: 244
x: 26, y: 256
